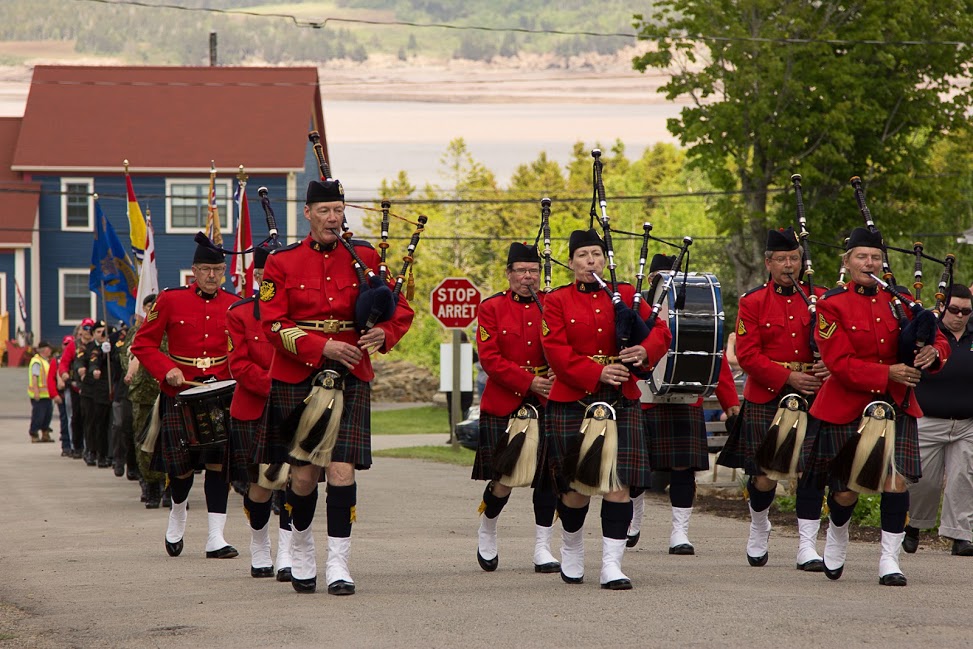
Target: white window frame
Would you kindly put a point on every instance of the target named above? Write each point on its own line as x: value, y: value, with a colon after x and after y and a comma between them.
x: 226, y: 208
x: 65, y: 181
x: 61, y: 319
x: 186, y: 277
x: 3, y: 298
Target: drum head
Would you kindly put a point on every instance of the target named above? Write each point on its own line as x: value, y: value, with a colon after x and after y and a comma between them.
x: 209, y: 389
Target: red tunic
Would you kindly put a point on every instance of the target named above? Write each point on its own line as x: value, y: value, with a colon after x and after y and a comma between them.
x: 250, y: 358
x: 310, y: 282
x: 579, y: 322
x: 508, y: 340
x: 773, y: 327
x: 858, y: 336
x: 195, y: 326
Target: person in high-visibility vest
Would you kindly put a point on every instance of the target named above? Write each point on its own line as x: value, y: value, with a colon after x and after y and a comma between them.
x: 40, y: 395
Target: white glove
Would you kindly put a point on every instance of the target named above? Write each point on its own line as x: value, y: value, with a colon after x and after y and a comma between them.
x: 106, y: 347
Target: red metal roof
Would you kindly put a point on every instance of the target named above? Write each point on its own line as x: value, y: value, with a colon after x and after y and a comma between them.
x: 18, y: 200
x: 168, y: 118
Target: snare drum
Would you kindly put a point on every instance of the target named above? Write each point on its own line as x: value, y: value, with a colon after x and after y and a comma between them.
x: 206, y: 414
x: 692, y: 366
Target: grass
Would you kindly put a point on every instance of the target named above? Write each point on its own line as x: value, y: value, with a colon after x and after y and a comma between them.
x: 443, y: 454
x: 411, y: 421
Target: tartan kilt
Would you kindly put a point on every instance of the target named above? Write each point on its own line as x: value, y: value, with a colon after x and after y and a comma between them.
x: 824, y: 440
x: 739, y: 450
x: 171, y: 456
x: 563, y: 426
x: 491, y: 428
x: 675, y: 435
x: 354, y: 444
x: 243, y: 437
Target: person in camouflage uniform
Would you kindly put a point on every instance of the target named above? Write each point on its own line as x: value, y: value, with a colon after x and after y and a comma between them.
x: 143, y: 390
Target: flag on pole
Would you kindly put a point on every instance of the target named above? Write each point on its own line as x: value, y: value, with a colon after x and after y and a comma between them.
x: 213, y: 216
x: 148, y: 273
x: 21, y: 304
x: 242, y: 272
x: 135, y: 221
x: 112, y: 273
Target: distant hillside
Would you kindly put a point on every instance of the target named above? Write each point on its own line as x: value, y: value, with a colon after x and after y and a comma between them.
x: 158, y: 35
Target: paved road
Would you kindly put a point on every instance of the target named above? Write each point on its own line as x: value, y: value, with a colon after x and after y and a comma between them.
x: 82, y: 564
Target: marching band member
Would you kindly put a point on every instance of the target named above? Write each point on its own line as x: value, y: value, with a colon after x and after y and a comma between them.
x: 250, y: 358
x: 773, y: 336
x: 858, y: 336
x: 193, y: 319
x: 308, y: 298
x: 581, y: 346
x: 675, y: 435
x: 510, y: 351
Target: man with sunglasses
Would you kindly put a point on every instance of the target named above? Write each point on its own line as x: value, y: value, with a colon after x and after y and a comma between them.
x: 193, y: 321
x: 946, y: 437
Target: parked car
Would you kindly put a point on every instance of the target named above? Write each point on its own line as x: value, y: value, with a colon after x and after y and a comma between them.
x: 468, y: 430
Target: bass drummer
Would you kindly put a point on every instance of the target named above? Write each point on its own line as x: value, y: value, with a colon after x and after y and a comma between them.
x: 675, y: 435
x: 193, y: 319
x: 773, y: 345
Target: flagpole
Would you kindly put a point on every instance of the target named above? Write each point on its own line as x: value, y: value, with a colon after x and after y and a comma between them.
x: 241, y: 262
x: 104, y: 317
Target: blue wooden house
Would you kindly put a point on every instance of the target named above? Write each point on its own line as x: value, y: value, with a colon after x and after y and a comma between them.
x: 82, y: 123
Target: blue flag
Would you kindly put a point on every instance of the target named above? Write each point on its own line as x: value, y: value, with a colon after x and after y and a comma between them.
x: 112, y: 270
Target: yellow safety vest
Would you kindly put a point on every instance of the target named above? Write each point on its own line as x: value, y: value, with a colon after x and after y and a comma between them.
x: 45, y: 368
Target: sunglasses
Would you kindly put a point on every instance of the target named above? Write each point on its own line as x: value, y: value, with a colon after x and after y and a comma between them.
x: 86, y: 328
x: 955, y: 310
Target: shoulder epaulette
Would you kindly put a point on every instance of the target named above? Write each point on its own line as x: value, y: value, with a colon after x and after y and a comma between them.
x: 837, y: 290
x: 175, y: 288
x: 362, y: 243
x: 561, y: 287
x: 296, y: 244
x: 754, y: 290
x: 501, y: 293
x: 230, y: 293
x: 246, y: 300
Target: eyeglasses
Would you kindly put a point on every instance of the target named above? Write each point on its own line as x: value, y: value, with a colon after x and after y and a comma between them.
x: 955, y: 310
x: 784, y: 260
x: 86, y: 328
x: 525, y: 271
x: 211, y: 270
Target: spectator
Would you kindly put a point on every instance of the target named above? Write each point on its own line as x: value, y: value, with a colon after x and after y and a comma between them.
x: 64, y: 395
x: 946, y: 437
x: 39, y: 392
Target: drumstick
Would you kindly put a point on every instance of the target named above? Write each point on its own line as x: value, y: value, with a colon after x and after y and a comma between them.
x: 195, y: 384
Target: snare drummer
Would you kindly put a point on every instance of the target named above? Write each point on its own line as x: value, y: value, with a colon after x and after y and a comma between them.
x: 675, y: 435
x: 193, y: 319
x: 581, y: 347
x: 773, y: 335
x: 307, y: 300
x: 250, y: 358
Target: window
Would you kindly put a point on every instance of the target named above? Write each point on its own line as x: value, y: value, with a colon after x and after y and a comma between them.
x: 187, y: 277
x: 187, y: 205
x: 76, y: 302
x: 77, y: 205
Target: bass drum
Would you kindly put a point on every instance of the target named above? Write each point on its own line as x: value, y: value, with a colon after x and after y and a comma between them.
x: 694, y: 310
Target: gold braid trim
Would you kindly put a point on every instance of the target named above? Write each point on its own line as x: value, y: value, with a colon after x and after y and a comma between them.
x: 289, y: 338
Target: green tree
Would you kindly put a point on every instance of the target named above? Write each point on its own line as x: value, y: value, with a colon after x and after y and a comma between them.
x: 826, y: 89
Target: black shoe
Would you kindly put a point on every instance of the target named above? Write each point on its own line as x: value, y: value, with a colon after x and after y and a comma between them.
x: 341, y: 587
x: 683, y: 549
x: 104, y: 463
x: 305, y: 585
x: 892, y: 579
x: 66, y: 454
x: 77, y: 455
x: 618, y: 584
x: 284, y: 574
x: 119, y: 470
x: 488, y: 565
x: 145, y: 491
x: 226, y: 552
x: 962, y: 548
x: 90, y: 461
x: 911, y: 541
x: 258, y: 573
x: 548, y: 568
x: 572, y: 580
x: 167, y: 498
x: 133, y: 475
x: 632, y: 540
x: 174, y: 549
x: 835, y: 574
x: 814, y: 565
x: 758, y: 562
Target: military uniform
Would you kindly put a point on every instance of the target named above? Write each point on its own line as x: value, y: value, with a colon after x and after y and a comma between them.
x: 143, y: 392
x: 95, y: 402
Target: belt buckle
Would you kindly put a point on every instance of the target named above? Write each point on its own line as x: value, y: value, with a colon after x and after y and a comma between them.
x: 330, y: 326
x: 203, y: 363
x: 601, y: 359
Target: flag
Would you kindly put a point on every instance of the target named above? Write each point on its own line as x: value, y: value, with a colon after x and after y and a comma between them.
x: 112, y: 272
x: 148, y: 273
x: 242, y: 272
x: 135, y: 221
x: 21, y: 304
x: 213, y: 216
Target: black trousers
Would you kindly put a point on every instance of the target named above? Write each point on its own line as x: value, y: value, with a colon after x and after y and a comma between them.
x: 77, y: 422
x: 97, y: 419
x: 123, y: 450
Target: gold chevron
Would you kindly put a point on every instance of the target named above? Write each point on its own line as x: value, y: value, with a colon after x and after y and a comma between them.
x: 289, y: 338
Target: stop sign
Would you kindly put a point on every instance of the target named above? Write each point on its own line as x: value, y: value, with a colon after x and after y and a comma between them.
x: 454, y: 302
